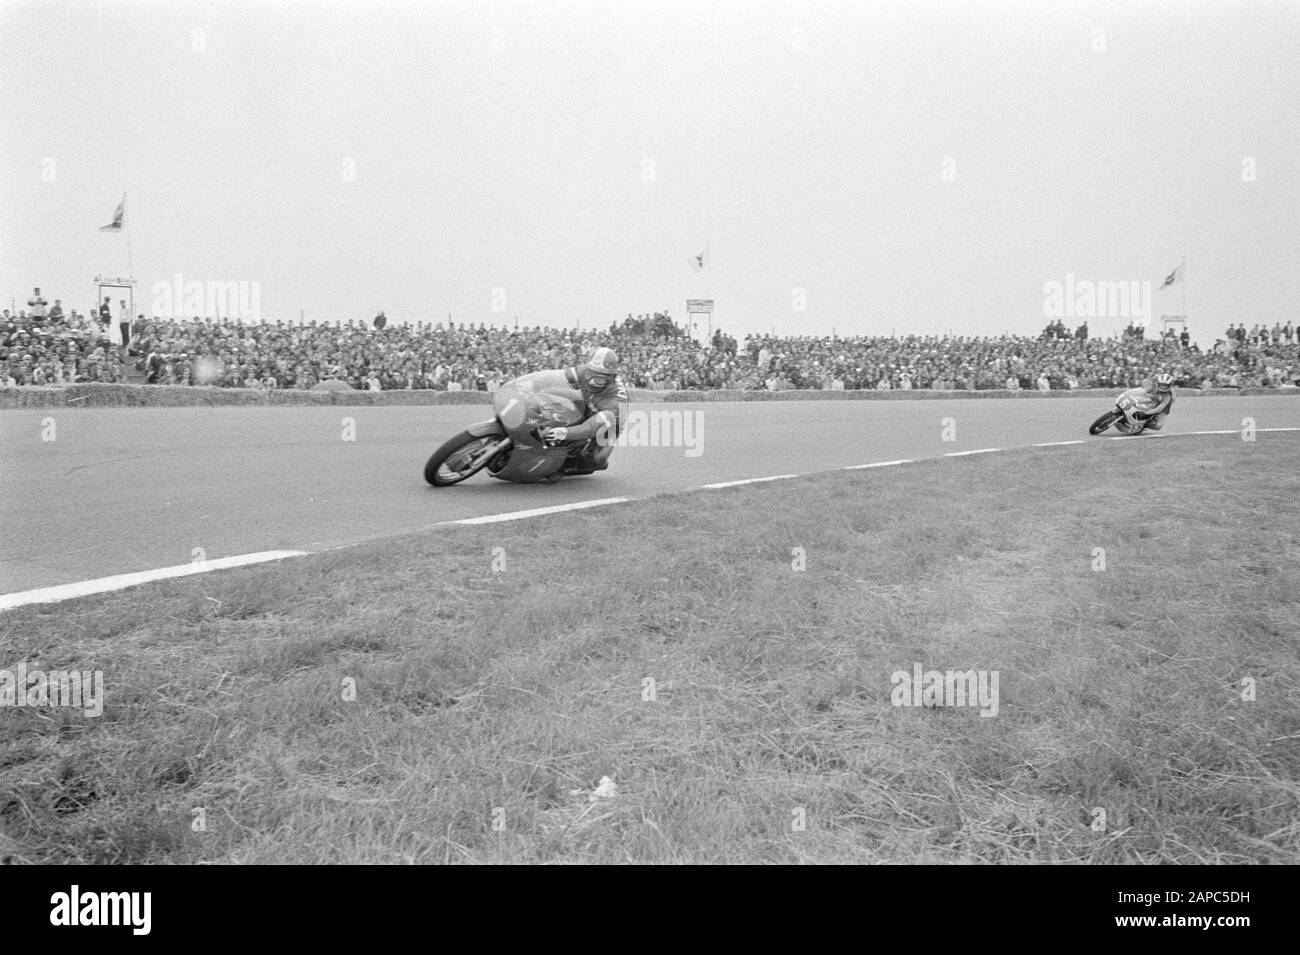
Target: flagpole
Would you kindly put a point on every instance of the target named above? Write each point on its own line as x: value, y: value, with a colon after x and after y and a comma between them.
x: 128, y: 236
x: 1184, y: 291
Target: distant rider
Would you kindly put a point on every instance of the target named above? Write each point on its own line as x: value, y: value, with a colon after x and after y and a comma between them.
x: 603, y: 396
x: 1150, y: 405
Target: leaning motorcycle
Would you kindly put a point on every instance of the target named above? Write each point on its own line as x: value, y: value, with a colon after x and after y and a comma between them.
x: 510, y: 445
x: 1122, y: 416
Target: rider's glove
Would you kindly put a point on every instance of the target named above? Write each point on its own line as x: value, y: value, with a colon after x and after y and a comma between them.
x: 554, y: 436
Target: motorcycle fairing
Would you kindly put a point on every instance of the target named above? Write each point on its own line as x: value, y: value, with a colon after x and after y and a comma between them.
x: 535, y: 402
x: 531, y: 465
x: 486, y: 429
x: 526, y: 407
x: 1127, y: 425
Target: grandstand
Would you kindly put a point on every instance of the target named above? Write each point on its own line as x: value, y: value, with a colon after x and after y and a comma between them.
x: 656, y: 353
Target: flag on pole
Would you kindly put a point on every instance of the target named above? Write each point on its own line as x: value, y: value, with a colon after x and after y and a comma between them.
x: 116, y: 224
x: 699, y: 262
x: 1172, y: 277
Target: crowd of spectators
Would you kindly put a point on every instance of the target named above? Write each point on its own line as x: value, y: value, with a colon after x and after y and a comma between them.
x: 46, y: 345
x: 1013, y: 362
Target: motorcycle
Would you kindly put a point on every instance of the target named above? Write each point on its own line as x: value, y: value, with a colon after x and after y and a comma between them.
x: 510, y: 445
x: 1122, y: 416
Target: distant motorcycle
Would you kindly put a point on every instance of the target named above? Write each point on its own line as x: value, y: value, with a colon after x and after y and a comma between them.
x: 1124, y: 416
x: 510, y: 445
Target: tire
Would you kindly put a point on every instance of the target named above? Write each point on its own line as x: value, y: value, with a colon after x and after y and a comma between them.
x: 463, y: 444
x: 1105, y: 421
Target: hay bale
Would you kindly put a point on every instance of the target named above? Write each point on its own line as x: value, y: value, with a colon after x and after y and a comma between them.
x: 332, y: 384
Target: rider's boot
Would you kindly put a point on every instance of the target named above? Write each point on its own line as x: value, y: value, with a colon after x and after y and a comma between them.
x: 589, y: 459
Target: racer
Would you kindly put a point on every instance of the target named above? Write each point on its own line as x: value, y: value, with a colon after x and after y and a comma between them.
x: 1149, y: 406
x: 603, y: 397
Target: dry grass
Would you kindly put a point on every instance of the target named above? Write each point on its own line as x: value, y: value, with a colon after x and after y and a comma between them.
x: 489, y: 704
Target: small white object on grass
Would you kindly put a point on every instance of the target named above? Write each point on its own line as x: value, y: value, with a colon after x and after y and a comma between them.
x: 606, y: 789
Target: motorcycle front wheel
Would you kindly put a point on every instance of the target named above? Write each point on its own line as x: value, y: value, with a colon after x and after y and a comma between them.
x: 1105, y: 421
x: 459, y: 458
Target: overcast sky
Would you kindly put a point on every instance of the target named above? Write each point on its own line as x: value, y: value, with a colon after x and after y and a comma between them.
x: 915, y: 167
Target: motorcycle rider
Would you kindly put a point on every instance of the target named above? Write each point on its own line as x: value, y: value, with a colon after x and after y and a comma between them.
x: 603, y: 396
x: 1150, y: 405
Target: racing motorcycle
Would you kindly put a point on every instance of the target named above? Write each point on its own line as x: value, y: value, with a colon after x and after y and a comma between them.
x: 1122, y: 416
x: 510, y: 445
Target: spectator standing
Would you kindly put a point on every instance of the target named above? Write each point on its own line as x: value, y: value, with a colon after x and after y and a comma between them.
x: 380, y: 321
x: 36, y: 307
x: 124, y: 322
x: 105, y: 315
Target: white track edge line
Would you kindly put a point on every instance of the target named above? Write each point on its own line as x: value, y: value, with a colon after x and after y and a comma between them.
x: 774, y: 477
x: 538, y: 511
x: 878, y: 464
x: 103, y: 585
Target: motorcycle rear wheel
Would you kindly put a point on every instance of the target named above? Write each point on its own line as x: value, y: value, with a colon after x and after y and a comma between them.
x: 1105, y: 421
x: 453, y: 462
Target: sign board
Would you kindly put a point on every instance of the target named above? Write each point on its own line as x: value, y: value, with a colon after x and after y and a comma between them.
x: 115, y: 281
x: 1172, y: 323
x: 702, y: 332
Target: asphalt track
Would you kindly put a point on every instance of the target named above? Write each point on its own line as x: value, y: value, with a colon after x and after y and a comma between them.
x: 136, y: 489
